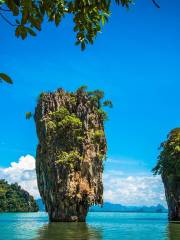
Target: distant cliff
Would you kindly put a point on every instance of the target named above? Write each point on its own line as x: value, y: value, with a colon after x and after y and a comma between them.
x: 15, y: 199
x: 70, y: 153
x: 110, y: 207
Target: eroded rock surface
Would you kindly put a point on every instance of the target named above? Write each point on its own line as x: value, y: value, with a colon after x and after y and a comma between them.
x: 168, y: 166
x: 70, y: 153
x: 172, y: 191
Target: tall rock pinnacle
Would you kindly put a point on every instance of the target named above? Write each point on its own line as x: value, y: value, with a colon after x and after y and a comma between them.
x: 70, y: 152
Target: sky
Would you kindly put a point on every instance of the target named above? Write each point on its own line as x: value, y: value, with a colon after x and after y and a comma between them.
x: 135, y: 61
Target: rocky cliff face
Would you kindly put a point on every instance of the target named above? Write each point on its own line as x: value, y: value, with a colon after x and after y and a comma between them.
x: 172, y: 192
x: 70, y: 153
x: 168, y: 166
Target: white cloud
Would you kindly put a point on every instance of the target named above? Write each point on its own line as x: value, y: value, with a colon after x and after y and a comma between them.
x: 23, y: 172
x: 118, y: 187
x: 133, y: 190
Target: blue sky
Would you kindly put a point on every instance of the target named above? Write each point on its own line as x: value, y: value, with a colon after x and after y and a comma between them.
x: 135, y: 60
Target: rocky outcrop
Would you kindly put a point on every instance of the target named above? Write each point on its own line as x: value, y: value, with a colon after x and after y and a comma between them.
x: 70, y: 153
x: 172, y: 192
x: 168, y: 166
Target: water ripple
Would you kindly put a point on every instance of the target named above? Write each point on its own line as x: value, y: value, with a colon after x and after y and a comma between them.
x: 99, y: 226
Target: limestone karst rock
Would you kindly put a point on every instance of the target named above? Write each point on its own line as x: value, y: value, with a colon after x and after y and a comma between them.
x: 168, y: 167
x: 172, y: 191
x: 70, y: 153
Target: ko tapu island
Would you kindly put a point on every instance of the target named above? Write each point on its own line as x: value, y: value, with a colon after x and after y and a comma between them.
x: 90, y: 120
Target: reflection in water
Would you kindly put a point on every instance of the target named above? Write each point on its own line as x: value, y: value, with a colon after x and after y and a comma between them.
x: 68, y: 231
x: 174, y: 231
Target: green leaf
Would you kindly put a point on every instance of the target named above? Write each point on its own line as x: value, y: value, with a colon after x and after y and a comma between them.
x: 17, y: 32
x: 103, y: 20
x: 83, y: 46
x: 23, y: 33
x: 77, y: 43
x: 108, y: 103
x: 6, y: 78
x: 31, y: 32
x: 57, y: 19
x: 28, y: 115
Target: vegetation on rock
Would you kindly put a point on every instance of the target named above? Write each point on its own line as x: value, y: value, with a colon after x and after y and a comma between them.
x: 71, y: 150
x: 169, y: 158
x: 15, y: 199
x: 168, y: 167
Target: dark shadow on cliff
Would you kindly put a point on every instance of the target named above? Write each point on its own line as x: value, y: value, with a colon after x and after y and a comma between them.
x: 174, y: 231
x: 68, y: 231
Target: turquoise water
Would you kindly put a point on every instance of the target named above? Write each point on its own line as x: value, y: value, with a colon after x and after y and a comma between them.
x: 99, y: 226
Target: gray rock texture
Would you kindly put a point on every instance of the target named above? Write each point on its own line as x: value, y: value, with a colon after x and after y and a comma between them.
x: 172, y: 192
x: 70, y: 153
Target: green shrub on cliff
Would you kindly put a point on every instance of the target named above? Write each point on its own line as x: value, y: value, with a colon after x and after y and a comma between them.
x: 70, y: 129
x: 169, y: 158
x: 96, y: 99
x: 60, y: 114
x: 97, y: 135
x: 67, y: 125
x: 63, y: 119
x: 70, y: 121
x: 69, y: 158
x: 103, y: 115
x: 15, y: 199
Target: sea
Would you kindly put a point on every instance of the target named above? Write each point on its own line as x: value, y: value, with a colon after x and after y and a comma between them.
x: 99, y: 226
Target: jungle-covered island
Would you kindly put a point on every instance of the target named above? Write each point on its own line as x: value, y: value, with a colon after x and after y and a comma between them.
x: 168, y: 166
x: 14, y: 199
x: 71, y: 150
